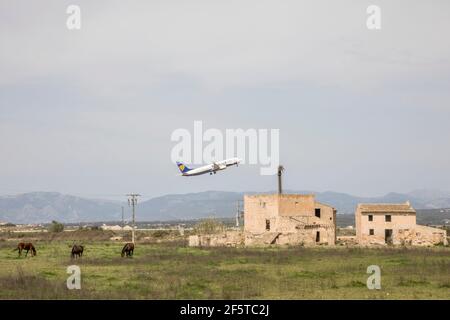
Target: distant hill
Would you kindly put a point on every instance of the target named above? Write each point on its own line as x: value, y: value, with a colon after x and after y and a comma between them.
x: 37, y: 207
x: 223, y: 204
x: 433, y: 216
x: 190, y: 206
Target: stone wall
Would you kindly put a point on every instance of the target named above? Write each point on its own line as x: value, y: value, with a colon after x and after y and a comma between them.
x: 225, y: 239
x: 237, y: 238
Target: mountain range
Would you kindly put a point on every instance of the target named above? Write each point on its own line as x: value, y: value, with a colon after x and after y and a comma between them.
x: 41, y: 207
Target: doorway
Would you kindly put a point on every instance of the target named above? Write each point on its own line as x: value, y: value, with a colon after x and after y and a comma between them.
x: 388, y: 236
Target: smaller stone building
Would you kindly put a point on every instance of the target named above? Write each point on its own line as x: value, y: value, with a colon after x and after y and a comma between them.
x: 393, y: 224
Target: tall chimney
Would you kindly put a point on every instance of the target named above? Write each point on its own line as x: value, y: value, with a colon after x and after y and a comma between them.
x: 280, y: 172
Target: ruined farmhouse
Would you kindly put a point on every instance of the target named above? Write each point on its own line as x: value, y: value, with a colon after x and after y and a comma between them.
x: 277, y: 219
x: 288, y: 219
x: 393, y: 224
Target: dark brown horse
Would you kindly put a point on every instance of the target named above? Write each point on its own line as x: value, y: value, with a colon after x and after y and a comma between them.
x: 128, y: 250
x: 26, y: 246
x: 77, y: 251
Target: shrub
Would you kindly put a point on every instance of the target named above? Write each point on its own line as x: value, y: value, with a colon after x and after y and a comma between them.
x: 55, y: 226
x: 9, y: 225
x: 160, y: 233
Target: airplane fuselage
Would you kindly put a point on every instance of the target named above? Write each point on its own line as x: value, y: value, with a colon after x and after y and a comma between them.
x: 212, y: 168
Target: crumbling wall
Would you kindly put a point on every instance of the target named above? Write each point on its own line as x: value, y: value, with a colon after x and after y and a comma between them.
x: 375, y: 239
x: 225, y: 239
x: 415, y: 236
x: 422, y: 236
x: 305, y: 237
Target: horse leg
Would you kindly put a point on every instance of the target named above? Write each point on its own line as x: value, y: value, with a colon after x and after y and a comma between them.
x: 26, y: 254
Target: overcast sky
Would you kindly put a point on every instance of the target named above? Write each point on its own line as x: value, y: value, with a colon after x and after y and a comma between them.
x: 90, y: 112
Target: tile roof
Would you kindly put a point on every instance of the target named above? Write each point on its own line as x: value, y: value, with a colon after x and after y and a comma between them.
x: 386, y: 207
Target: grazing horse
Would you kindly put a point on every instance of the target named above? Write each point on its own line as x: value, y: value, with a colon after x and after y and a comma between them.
x: 26, y: 246
x: 128, y: 250
x: 77, y: 251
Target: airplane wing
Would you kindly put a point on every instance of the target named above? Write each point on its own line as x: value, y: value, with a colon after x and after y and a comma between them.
x: 218, y: 166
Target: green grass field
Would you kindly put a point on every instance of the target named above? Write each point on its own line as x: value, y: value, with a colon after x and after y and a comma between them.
x: 174, y: 271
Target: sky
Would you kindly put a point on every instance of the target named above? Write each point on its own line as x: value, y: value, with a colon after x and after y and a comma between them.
x: 90, y: 112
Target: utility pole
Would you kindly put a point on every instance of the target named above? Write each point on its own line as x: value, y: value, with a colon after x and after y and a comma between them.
x: 238, y: 213
x: 123, y: 222
x: 132, y: 201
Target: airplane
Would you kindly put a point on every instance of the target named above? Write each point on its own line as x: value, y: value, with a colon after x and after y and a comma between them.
x: 211, y: 168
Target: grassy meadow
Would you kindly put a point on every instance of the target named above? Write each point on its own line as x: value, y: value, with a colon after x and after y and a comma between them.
x: 171, y: 270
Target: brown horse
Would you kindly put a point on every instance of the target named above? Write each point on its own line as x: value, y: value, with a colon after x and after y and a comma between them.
x: 128, y: 250
x: 77, y: 251
x: 26, y: 246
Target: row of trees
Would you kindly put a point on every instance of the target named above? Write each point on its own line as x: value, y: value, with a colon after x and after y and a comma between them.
x: 206, y: 226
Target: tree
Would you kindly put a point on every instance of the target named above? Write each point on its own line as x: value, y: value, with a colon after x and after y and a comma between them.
x: 55, y: 226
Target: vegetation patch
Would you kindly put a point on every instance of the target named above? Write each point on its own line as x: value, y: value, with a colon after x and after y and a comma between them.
x: 167, y: 271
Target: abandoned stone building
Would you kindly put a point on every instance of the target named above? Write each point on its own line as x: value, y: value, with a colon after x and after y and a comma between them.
x: 272, y: 219
x: 288, y: 219
x: 393, y: 224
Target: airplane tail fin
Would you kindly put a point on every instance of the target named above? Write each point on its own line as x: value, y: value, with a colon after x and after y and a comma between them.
x: 182, y: 167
